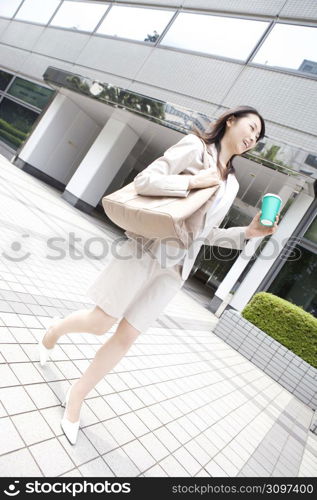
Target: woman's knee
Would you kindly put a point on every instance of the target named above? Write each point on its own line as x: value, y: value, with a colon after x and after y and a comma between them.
x: 126, y: 333
x: 101, y: 321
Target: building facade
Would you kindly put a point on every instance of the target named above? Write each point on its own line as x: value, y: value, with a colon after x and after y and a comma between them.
x: 91, y: 92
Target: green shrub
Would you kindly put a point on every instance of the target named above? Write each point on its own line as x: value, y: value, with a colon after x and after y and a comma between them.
x: 11, y: 138
x: 287, y: 323
x: 12, y: 130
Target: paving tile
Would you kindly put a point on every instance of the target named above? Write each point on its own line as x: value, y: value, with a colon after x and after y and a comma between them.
x: 42, y: 395
x: 16, y: 400
x: 82, y: 452
x: 131, y: 400
x: 19, y: 464
x: 68, y: 369
x: 154, y: 446
x: 119, y: 431
x: 197, y: 452
x: 7, y: 377
x: 173, y: 468
x: 100, y: 408
x: 155, y: 471
x: 135, y: 424
x: 120, y: 463
x: 117, y: 404
x: 13, y: 353
x: 26, y: 373
x: 100, y: 438
x: 139, y: 455
x: 9, y: 438
x: 72, y: 473
x: 11, y: 319
x: 148, y: 418
x: 43, y: 453
x: 187, y: 460
x: 33, y: 427
x: 96, y: 468
x: 167, y: 438
x: 215, y: 470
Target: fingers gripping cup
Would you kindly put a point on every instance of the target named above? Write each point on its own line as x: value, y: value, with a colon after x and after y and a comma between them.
x: 271, y: 204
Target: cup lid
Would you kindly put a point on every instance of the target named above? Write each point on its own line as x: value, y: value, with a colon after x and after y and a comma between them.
x: 272, y: 194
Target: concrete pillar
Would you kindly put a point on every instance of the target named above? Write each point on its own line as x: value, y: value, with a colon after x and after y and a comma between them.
x: 58, y: 143
x: 100, y: 165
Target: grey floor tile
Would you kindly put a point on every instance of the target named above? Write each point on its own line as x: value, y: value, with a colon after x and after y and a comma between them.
x: 19, y: 464
x: 7, y: 376
x: 16, y: 400
x: 33, y: 427
x: 13, y: 353
x: 82, y: 452
x: 120, y: 463
x: 26, y: 373
x: 119, y: 430
x: 139, y: 455
x: 100, y: 408
x: 100, y: 438
x: 43, y: 453
x: 96, y: 468
x: 10, y: 439
x: 173, y: 468
x: 154, y: 446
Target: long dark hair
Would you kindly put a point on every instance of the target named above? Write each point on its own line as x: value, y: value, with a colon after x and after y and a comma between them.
x: 216, y: 131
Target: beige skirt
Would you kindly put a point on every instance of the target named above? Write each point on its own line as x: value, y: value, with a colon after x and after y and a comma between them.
x: 134, y: 286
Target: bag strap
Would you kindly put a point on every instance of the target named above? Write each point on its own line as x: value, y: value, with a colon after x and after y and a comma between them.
x: 205, y: 155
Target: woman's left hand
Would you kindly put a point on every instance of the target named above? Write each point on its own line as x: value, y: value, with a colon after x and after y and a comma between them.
x: 256, y: 229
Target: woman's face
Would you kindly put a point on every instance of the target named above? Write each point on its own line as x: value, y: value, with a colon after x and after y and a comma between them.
x: 243, y: 133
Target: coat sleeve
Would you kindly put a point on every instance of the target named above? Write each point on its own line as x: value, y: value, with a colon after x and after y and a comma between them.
x: 232, y: 237
x: 161, y: 177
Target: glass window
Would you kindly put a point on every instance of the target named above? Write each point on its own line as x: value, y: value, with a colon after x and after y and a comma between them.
x: 9, y: 7
x: 290, y: 46
x: 311, y: 233
x: 4, y: 79
x: 222, y: 36
x: 37, y: 11
x: 296, y: 282
x: 79, y: 15
x: 15, y: 123
x: 145, y: 25
x: 30, y: 92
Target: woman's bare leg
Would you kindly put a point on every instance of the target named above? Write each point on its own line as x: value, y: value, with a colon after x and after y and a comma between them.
x: 85, y: 321
x: 105, y: 359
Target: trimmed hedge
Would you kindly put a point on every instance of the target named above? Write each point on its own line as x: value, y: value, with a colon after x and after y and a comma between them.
x: 287, y: 323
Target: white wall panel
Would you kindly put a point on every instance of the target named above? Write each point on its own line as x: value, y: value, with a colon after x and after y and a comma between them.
x: 35, y: 65
x: 304, y: 9
x: 197, y: 76
x: 284, y: 99
x: 11, y: 58
x: 114, y: 56
x: 62, y: 44
x: 264, y: 7
x: 4, y: 23
x: 21, y: 35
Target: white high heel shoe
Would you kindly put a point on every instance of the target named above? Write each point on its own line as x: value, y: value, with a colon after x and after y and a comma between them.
x: 44, y: 352
x: 70, y: 429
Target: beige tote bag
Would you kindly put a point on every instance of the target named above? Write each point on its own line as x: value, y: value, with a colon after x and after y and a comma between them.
x: 172, y: 219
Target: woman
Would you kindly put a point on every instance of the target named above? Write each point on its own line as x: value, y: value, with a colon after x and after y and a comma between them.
x: 144, y: 275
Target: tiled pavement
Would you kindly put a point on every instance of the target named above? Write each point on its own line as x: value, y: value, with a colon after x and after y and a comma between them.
x: 181, y: 403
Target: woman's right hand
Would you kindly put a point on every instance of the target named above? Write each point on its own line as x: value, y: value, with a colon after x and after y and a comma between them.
x: 204, y: 178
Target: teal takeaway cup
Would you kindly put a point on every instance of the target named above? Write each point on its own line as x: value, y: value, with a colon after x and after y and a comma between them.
x: 271, y: 204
